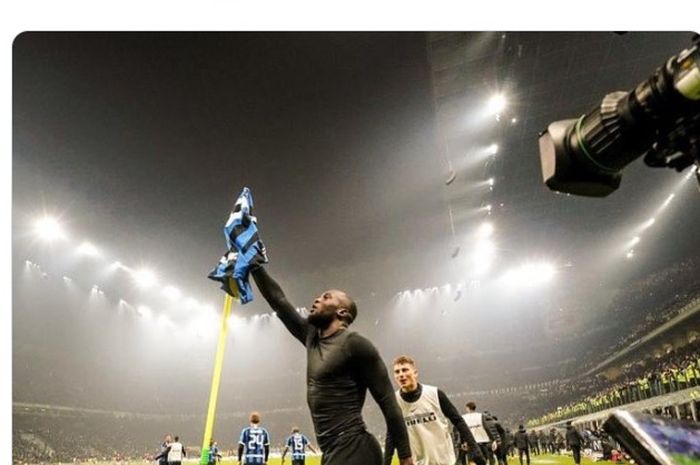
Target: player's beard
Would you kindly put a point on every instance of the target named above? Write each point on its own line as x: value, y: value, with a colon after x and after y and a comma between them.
x: 321, y: 319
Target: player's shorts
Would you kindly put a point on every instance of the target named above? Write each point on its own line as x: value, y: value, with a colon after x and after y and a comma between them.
x: 298, y: 461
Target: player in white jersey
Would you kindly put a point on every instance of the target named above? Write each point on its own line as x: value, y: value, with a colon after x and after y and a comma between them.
x: 176, y: 452
x: 428, y: 413
x: 484, y: 430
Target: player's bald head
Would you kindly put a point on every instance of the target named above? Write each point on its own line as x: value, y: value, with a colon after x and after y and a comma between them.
x: 331, y: 305
x: 349, y: 304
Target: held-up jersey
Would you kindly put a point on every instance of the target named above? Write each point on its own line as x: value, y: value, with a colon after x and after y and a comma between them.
x: 254, y: 440
x: 297, y: 443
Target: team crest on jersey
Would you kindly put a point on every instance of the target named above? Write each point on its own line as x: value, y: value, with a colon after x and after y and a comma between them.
x: 420, y: 418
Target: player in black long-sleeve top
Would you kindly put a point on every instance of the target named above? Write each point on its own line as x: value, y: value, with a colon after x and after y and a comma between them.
x: 341, y: 367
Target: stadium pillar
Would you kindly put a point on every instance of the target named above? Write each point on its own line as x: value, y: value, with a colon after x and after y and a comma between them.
x: 216, y: 378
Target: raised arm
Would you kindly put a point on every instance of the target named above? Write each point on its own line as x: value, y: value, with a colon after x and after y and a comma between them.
x: 372, y: 373
x: 272, y: 292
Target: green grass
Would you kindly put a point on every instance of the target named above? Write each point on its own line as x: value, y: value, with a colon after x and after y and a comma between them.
x: 534, y: 460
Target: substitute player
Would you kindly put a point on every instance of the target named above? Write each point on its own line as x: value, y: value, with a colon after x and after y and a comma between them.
x: 428, y: 412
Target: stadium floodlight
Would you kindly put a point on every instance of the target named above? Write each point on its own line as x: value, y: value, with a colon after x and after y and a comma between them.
x: 648, y: 223
x: 514, y: 120
x: 234, y: 321
x: 116, y: 266
x: 630, y: 254
x: 530, y: 274
x: 483, y: 255
x: 485, y: 230
x: 144, y: 278
x: 634, y: 241
x: 492, y: 149
x: 49, y: 229
x: 496, y: 104
x: 491, y: 182
x: 86, y: 248
x: 172, y: 293
x: 667, y: 201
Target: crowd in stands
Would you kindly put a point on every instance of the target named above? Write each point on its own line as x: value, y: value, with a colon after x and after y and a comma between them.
x: 675, y: 371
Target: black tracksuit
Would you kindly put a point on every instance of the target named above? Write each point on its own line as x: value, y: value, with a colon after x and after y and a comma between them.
x: 574, y: 440
x: 522, y: 442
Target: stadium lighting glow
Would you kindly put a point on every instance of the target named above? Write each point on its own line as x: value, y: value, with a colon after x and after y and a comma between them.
x: 164, y: 321
x: 630, y: 254
x: 483, y: 255
x: 144, y: 278
x: 492, y: 149
x: 648, y: 223
x: 86, y: 248
x: 28, y: 263
x: 485, y: 230
x: 144, y: 311
x: 234, y: 321
x: 635, y: 240
x: 667, y: 201
x: 116, y: 265
x: 49, y: 229
x: 172, y: 293
x: 530, y: 274
x: 496, y: 104
x: 514, y: 120
x: 210, y: 308
x: 96, y: 289
x: 491, y: 182
x: 67, y: 279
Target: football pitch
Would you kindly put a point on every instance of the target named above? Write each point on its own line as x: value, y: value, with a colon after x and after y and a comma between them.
x: 535, y: 460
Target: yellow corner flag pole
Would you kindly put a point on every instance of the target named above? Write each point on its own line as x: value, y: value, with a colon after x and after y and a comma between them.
x: 216, y: 378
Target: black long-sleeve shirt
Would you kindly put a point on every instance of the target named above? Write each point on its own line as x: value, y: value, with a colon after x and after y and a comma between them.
x: 340, y: 370
x: 450, y: 412
x: 521, y: 439
x: 573, y: 437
